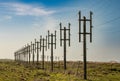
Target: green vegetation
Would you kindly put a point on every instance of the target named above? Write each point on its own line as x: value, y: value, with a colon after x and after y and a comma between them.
x: 13, y: 71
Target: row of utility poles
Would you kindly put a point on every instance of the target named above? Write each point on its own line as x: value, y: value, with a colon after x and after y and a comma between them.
x: 44, y: 43
x: 41, y: 45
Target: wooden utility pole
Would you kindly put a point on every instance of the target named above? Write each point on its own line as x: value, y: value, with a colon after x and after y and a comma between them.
x: 64, y: 39
x: 33, y: 52
x: 43, y: 46
x: 85, y: 33
x: 52, y: 42
x: 37, y: 47
x: 15, y: 56
x: 24, y: 53
x: 28, y: 51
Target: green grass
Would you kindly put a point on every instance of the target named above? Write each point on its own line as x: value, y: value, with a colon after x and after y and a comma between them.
x: 13, y: 71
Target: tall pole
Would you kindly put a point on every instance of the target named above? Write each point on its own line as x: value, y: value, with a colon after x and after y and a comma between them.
x: 43, y: 55
x: 79, y: 26
x: 51, y: 52
x: 29, y: 53
x: 84, y: 33
x: 24, y: 54
x: 64, y: 48
x: 64, y: 39
x: 37, y: 52
x: 84, y: 48
x: 19, y: 59
x: 43, y: 45
x: 52, y: 42
x: 15, y: 56
x: 33, y: 54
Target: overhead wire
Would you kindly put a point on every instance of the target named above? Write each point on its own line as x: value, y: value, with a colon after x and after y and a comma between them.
x: 117, y: 18
x: 101, y: 6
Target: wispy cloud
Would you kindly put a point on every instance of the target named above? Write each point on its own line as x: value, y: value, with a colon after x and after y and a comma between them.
x: 47, y: 23
x: 24, y: 9
x: 7, y: 17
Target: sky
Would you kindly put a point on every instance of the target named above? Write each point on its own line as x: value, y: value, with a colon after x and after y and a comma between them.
x: 21, y: 21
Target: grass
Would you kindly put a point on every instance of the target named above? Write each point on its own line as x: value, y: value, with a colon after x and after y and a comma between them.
x: 13, y: 71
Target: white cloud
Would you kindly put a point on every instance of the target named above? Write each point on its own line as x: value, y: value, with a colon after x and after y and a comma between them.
x: 24, y: 9
x: 45, y: 24
x: 7, y: 17
x: 36, y: 24
x: 51, y: 24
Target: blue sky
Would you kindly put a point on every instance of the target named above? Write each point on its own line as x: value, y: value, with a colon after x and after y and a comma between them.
x: 23, y: 20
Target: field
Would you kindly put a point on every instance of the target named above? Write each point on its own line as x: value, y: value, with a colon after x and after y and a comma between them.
x: 14, y: 71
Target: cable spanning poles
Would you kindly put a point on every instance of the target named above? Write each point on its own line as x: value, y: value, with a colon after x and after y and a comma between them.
x: 64, y: 38
x: 43, y: 46
x: 85, y: 33
x: 51, y: 42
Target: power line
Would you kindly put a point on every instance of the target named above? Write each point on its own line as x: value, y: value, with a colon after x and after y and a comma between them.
x: 112, y: 20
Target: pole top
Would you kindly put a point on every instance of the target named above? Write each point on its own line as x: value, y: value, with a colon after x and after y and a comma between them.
x: 91, y: 12
x: 79, y: 12
x: 60, y: 23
